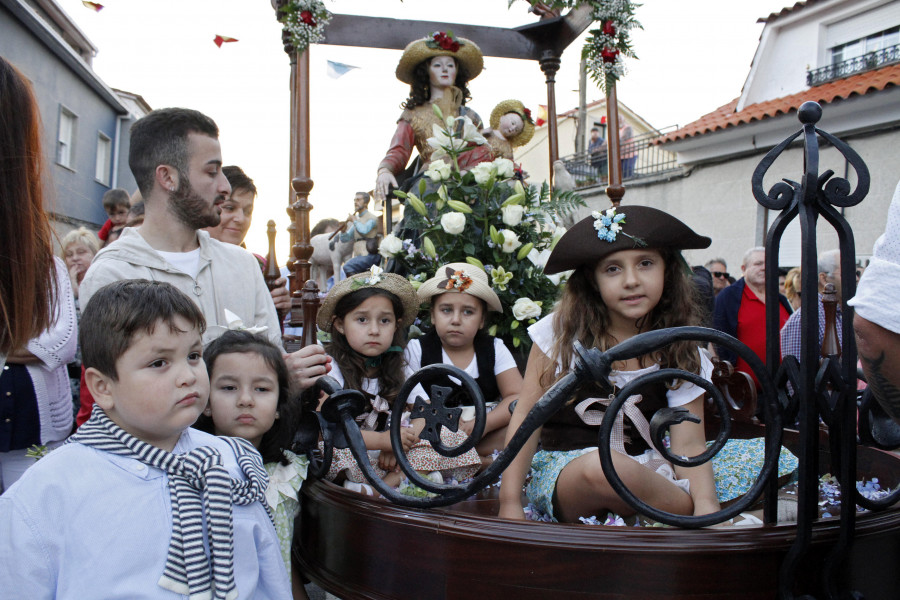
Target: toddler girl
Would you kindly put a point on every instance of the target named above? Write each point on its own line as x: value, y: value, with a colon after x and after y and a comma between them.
x: 248, y: 398
x: 460, y: 298
x: 628, y: 278
x: 367, y: 316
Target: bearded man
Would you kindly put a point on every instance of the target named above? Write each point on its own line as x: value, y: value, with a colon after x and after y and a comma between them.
x: 176, y: 160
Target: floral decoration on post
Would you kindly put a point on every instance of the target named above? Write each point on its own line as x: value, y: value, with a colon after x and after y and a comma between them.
x: 607, y: 46
x: 305, y: 22
x: 485, y: 217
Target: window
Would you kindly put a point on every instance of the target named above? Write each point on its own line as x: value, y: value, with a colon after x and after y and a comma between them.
x: 104, y: 156
x: 65, y: 150
x: 872, y: 43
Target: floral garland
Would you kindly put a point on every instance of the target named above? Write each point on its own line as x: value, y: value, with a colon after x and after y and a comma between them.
x: 305, y: 22
x: 605, y: 48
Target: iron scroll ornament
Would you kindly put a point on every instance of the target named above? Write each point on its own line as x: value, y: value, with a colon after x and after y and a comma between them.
x: 340, y: 429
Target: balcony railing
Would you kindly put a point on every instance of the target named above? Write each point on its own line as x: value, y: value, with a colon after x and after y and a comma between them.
x: 640, y: 159
x: 852, y: 66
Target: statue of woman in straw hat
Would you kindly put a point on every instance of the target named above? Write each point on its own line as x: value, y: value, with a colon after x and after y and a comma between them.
x: 437, y: 69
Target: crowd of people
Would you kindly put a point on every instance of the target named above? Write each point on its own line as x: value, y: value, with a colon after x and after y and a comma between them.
x: 181, y: 476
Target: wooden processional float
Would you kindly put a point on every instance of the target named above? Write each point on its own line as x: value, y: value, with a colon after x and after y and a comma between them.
x: 452, y: 545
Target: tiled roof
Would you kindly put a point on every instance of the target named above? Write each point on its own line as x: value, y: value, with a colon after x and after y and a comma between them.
x: 725, y: 116
x: 786, y: 11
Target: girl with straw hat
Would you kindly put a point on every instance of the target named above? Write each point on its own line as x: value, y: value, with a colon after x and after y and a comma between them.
x: 460, y: 299
x: 437, y: 68
x: 367, y: 316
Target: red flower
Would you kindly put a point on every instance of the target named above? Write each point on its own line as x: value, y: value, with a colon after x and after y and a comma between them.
x: 609, y: 55
x: 609, y: 28
x: 307, y: 17
x: 446, y: 42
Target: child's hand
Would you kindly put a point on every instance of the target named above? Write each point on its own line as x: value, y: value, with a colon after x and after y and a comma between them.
x: 387, y: 460
x: 467, y: 426
x: 408, y: 438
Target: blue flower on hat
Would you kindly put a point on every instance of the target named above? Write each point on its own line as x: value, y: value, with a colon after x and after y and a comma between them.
x: 609, y: 224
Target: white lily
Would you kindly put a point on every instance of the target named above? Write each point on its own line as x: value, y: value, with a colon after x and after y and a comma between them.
x: 539, y: 259
x: 471, y: 133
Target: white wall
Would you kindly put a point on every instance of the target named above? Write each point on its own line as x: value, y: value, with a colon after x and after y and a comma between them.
x: 716, y: 199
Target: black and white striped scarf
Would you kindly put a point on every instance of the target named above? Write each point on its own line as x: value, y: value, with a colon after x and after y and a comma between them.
x: 199, y: 486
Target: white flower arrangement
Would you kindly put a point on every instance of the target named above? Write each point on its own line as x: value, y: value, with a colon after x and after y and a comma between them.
x: 485, y: 217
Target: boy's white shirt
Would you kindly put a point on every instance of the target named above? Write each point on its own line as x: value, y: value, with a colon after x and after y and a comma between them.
x: 78, y: 506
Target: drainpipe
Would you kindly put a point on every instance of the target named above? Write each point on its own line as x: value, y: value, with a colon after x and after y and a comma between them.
x: 114, y: 180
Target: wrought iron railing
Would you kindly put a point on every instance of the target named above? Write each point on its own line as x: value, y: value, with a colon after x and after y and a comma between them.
x: 640, y: 158
x: 807, y: 388
x: 852, y: 66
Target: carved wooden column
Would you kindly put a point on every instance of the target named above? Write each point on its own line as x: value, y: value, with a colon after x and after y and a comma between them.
x: 549, y: 62
x: 615, y: 190
x: 305, y: 299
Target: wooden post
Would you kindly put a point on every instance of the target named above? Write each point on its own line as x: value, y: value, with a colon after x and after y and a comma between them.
x: 304, y: 292
x: 306, y: 300
x: 615, y: 190
x: 549, y: 62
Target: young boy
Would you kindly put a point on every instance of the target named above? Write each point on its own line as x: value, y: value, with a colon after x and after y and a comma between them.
x: 137, y: 504
x: 116, y: 203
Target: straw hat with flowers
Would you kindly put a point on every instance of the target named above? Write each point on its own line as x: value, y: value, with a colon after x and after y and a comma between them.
x: 440, y: 43
x: 375, y: 278
x: 461, y: 278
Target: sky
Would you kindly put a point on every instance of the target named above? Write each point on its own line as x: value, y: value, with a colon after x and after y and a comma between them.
x: 693, y: 56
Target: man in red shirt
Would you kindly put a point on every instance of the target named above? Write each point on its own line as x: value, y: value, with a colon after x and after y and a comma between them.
x: 741, y: 310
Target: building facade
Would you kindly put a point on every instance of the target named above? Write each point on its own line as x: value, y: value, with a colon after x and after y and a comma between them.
x: 85, y: 122
x: 842, y: 54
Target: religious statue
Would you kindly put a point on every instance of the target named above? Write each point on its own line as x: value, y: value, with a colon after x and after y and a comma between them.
x: 511, y: 127
x: 362, y: 225
x: 437, y: 69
